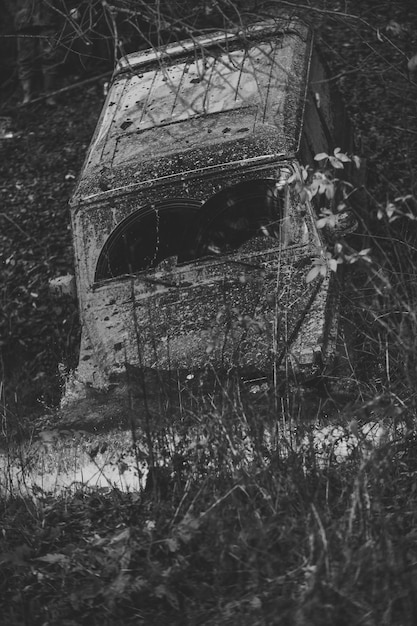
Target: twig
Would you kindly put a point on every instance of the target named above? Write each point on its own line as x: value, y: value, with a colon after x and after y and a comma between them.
x: 18, y: 227
x: 110, y: 12
x: 406, y: 130
x: 58, y: 92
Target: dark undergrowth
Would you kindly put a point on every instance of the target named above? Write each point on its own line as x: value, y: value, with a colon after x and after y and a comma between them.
x: 236, y: 528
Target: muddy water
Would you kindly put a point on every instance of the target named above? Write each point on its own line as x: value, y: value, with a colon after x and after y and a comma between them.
x: 110, y: 440
x: 64, y: 461
x: 60, y: 461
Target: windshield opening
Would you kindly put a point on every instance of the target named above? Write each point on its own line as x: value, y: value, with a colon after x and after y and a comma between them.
x: 235, y: 216
x: 145, y: 238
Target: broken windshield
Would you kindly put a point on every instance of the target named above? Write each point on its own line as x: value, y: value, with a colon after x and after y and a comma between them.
x: 189, y: 230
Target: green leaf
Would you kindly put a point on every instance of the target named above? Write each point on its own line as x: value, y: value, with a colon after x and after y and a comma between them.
x: 338, y: 165
x: 313, y: 273
x: 333, y: 265
x: 53, y: 558
x: 330, y: 191
x: 162, y: 591
x: 394, y: 28
x: 172, y: 544
x: 256, y: 603
x: 341, y: 155
x: 187, y: 528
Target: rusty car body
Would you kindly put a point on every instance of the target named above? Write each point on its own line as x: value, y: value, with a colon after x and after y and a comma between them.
x: 191, y: 248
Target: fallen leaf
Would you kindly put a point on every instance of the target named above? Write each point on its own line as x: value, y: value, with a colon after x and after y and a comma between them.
x: 53, y: 558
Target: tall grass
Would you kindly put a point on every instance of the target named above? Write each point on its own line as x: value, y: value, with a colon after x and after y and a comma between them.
x: 251, y: 515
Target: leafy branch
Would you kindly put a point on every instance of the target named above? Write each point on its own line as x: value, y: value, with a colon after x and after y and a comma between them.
x: 334, y: 215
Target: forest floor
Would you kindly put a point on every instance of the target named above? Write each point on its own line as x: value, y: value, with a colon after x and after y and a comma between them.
x: 233, y: 530
x: 39, y: 165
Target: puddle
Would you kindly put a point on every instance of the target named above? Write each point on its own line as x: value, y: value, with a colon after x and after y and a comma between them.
x: 62, y: 462
x: 340, y: 442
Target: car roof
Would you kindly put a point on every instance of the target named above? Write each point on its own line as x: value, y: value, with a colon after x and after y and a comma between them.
x: 200, y: 102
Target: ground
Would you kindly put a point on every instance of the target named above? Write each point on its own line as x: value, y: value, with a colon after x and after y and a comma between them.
x: 39, y: 166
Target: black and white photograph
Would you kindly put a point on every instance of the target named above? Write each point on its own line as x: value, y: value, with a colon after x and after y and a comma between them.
x: 208, y: 312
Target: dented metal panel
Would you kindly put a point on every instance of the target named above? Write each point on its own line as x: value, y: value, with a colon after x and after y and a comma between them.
x: 228, y: 313
x: 263, y: 84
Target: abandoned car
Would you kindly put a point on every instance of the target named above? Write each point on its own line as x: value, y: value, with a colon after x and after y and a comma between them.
x: 191, y: 248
